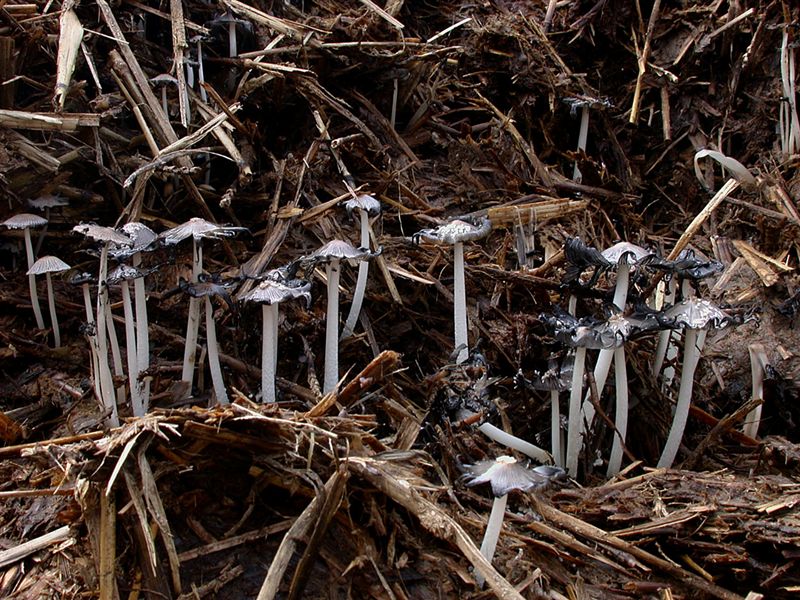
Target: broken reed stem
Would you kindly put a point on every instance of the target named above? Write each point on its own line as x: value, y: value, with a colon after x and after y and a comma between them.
x: 642, y: 61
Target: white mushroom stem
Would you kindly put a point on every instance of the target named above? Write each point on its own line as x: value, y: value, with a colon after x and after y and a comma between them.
x: 233, y: 50
x: 502, y: 437
x: 116, y: 355
x: 555, y: 429
x: 142, y: 336
x: 493, y: 528
x: 460, y: 303
x: 665, y: 337
x: 193, y: 321
x: 37, y: 310
x: 583, y: 136
x: 269, y: 351
x: 201, y: 76
x: 758, y: 361
x: 621, y: 416
x: 213, y: 355
x: 51, y: 301
x: 332, y: 328
x: 106, y: 391
x: 574, y: 428
x: 87, y: 300
x: 693, y: 346
x: 361, y: 282
x: 606, y: 355
x: 137, y: 406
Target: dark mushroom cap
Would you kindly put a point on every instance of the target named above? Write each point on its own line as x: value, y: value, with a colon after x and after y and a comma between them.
x: 594, y: 334
x: 197, y: 228
x: 505, y: 474
x: 696, y: 313
x: 455, y: 231
x: 689, y: 266
x: 48, y: 264
x: 100, y: 233
x: 82, y: 278
x: 24, y: 221
x: 272, y: 291
x: 363, y: 202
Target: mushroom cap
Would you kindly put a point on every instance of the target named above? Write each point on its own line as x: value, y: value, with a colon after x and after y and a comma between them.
x: 164, y: 79
x: 626, y: 253
x: 271, y: 291
x: 47, y: 201
x: 363, y: 202
x: 594, y: 334
x: 24, y: 221
x: 101, y: 233
x: 82, y: 278
x: 696, y: 313
x: 689, y: 266
x: 505, y: 474
x: 142, y: 239
x: 197, y: 228
x: 124, y: 273
x: 455, y: 231
x: 48, y: 264
x: 337, y: 250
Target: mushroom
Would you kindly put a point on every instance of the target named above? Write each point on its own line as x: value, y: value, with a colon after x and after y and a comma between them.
x: 164, y: 80
x: 45, y: 266
x: 25, y: 221
x: 366, y: 206
x: 455, y: 233
x: 201, y: 76
x: 122, y: 275
x: 505, y: 474
x: 45, y: 203
x: 83, y: 280
x: 232, y: 23
x: 758, y: 365
x: 106, y: 236
x: 332, y: 254
x: 695, y: 316
x: 198, y: 229
x: 276, y: 288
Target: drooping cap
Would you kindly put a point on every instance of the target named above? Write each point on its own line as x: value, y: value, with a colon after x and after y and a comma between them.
x: 696, y: 313
x: 101, y: 233
x: 197, y: 228
x: 142, y: 239
x: 594, y: 334
x: 363, y: 202
x: 337, y: 250
x: 506, y: 474
x: 274, y: 291
x: 48, y: 264
x: 124, y: 273
x: 625, y: 253
x: 455, y: 231
x: 48, y: 201
x: 689, y: 266
x: 24, y: 221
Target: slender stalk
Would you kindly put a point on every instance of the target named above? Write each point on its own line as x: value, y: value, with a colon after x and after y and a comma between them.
x: 621, y: 416
x: 460, y: 302
x: 269, y: 351
x: 213, y: 355
x: 51, y: 301
x: 106, y: 381
x: 233, y: 50
x: 193, y: 321
x: 37, y: 310
x: 665, y: 336
x: 555, y: 429
x: 137, y: 407
x: 361, y: 282
x: 583, y: 136
x: 574, y: 428
x: 693, y: 346
x: 758, y: 360
x: 332, y: 329
x: 116, y: 355
x: 493, y: 528
x: 142, y: 336
x: 87, y: 300
x: 503, y: 437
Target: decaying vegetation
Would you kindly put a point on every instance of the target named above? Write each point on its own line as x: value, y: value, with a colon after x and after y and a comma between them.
x: 673, y: 126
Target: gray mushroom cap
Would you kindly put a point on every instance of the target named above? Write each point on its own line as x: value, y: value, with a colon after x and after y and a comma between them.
x: 197, y: 228
x: 338, y: 250
x: 363, y: 202
x: 271, y: 291
x: 141, y: 236
x: 48, y: 264
x: 82, y: 278
x: 48, y: 201
x: 505, y: 474
x: 164, y: 79
x: 696, y: 313
x: 625, y: 252
x: 24, y: 221
x: 101, y: 233
x: 124, y: 273
x: 456, y: 231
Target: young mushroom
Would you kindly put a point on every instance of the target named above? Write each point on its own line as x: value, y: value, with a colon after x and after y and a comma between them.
x: 366, y: 206
x: 455, y: 233
x: 232, y: 23
x: 26, y: 221
x: 276, y: 288
x: 45, y: 266
x: 505, y: 475
x: 332, y: 254
x: 164, y: 80
x: 696, y: 317
x: 198, y: 229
